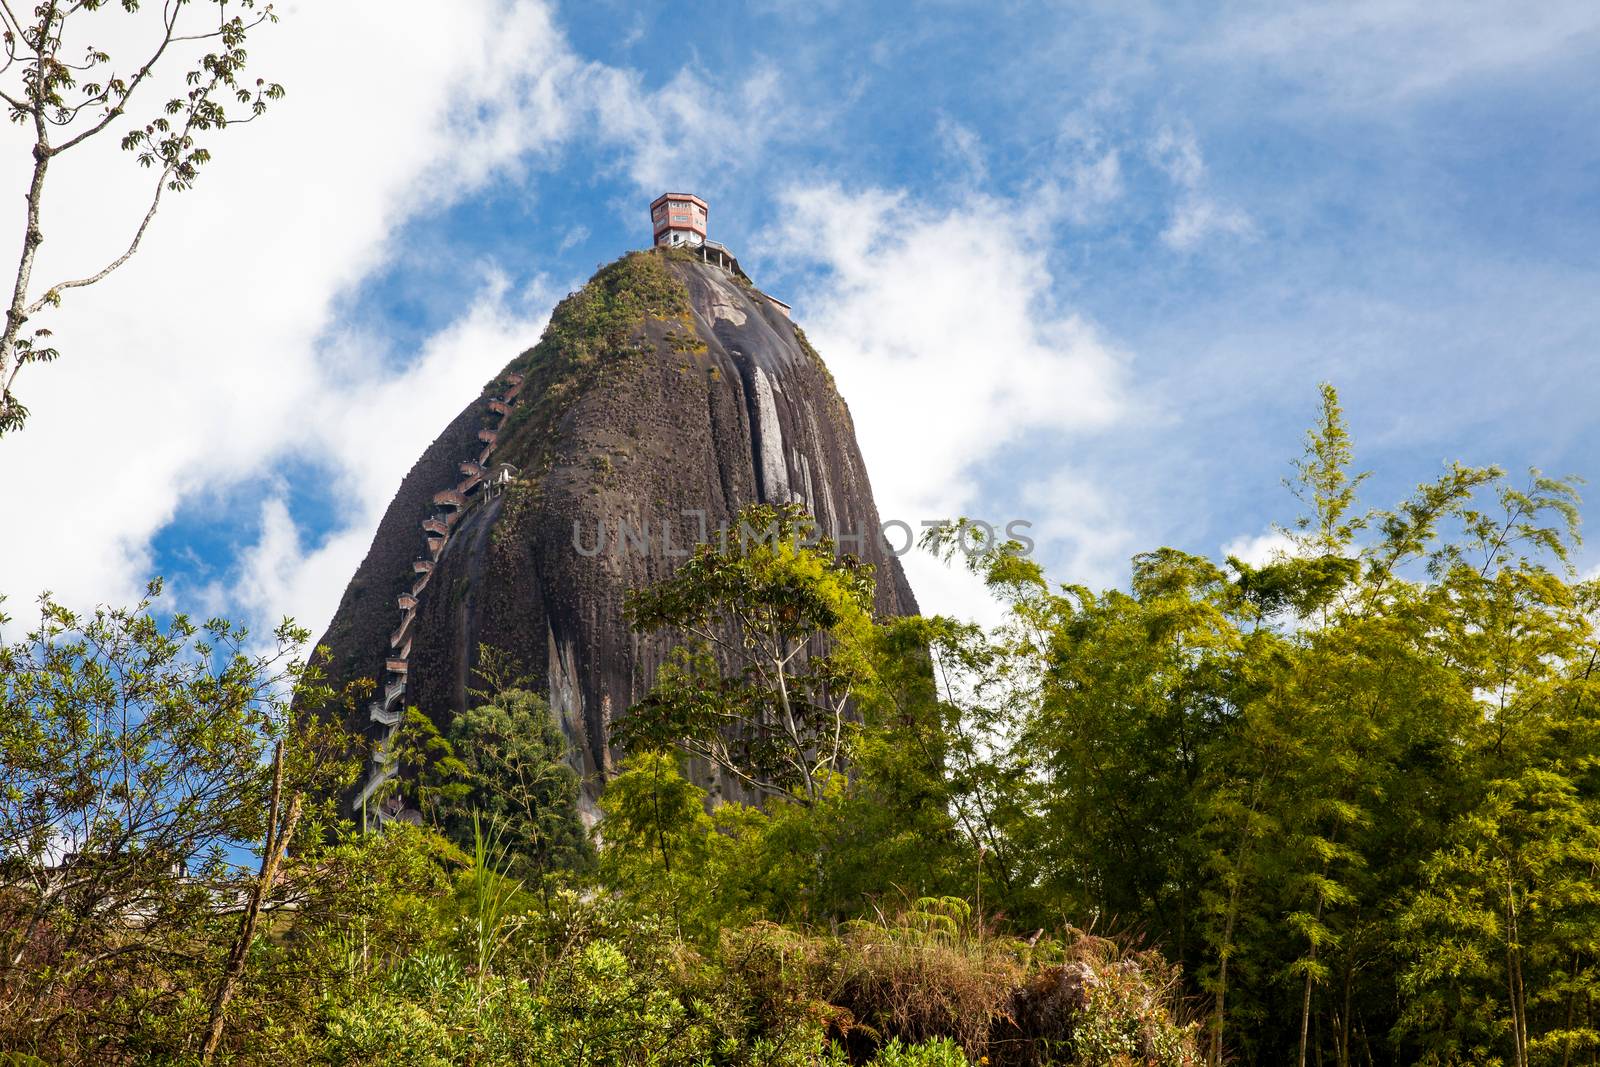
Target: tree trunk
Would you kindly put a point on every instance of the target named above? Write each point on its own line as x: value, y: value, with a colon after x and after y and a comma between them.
x: 277, y: 843
x: 1219, y: 1010
x: 1305, y: 999
x: 1235, y: 892
x: 1305, y: 1010
x: 1344, y: 1018
x: 32, y: 238
x: 1519, y: 1017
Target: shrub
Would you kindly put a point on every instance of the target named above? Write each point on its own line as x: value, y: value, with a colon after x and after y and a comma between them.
x: 930, y: 981
x: 940, y: 1053
x: 1103, y: 1004
x: 386, y: 1031
x: 927, y: 973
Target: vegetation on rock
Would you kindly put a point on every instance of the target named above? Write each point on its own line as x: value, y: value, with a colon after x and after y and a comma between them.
x: 593, y: 334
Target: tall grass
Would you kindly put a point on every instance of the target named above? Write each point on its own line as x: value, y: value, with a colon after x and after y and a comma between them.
x: 491, y: 920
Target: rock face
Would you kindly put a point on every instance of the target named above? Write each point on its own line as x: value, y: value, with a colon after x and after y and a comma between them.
x: 664, y: 396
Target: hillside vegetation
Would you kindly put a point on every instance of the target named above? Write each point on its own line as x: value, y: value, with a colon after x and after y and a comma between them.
x: 1340, y: 806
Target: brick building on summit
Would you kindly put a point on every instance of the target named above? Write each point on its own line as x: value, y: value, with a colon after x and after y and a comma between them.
x: 679, y: 219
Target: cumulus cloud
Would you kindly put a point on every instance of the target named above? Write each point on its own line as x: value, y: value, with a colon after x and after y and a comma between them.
x: 219, y: 355
x: 204, y: 361
x: 690, y: 129
x: 1081, y: 529
x: 367, y: 448
x: 1260, y: 549
x: 202, y: 371
x: 940, y: 329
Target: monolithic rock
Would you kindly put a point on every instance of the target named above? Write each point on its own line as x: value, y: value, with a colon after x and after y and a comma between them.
x: 664, y: 396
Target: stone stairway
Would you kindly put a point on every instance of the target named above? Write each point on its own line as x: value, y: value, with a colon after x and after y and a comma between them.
x: 450, y: 504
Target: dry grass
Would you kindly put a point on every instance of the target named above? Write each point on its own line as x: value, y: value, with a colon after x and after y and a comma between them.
x: 931, y: 971
x: 927, y: 972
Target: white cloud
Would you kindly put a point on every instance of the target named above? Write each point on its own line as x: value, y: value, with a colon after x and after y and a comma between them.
x: 939, y: 328
x: 369, y: 446
x: 1372, y: 52
x: 1080, y: 529
x: 202, y: 368
x: 200, y: 362
x: 962, y: 144
x: 690, y: 131
x: 218, y: 352
x: 574, y: 237
x: 1086, y: 177
x: 1258, y: 550
x: 1178, y: 153
x: 1092, y: 184
x: 1196, y: 215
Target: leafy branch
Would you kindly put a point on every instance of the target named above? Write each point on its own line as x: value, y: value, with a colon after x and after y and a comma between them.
x: 63, y: 104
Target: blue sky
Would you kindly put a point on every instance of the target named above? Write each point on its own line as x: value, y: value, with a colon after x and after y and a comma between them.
x: 1082, y: 264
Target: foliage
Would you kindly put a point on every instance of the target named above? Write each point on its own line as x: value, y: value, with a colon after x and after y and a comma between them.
x: 664, y: 853
x: 777, y: 632
x: 1350, y: 789
x: 513, y: 761
x: 1338, y: 805
x: 430, y: 774
x: 398, y: 946
x: 928, y: 970
x: 59, y: 85
x: 490, y: 896
x: 503, y: 763
x: 929, y: 981
x: 593, y: 334
x: 133, y: 769
x: 938, y: 1053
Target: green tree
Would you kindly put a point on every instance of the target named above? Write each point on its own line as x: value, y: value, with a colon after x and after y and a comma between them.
x: 1503, y: 928
x: 65, y: 91
x: 428, y: 772
x: 1261, y: 765
x: 667, y: 856
x: 138, y: 757
x: 777, y: 640
x: 514, y: 765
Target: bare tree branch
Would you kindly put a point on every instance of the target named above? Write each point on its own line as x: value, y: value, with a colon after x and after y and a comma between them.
x: 16, y: 23
x: 78, y: 283
x: 277, y: 843
x: 220, y: 30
